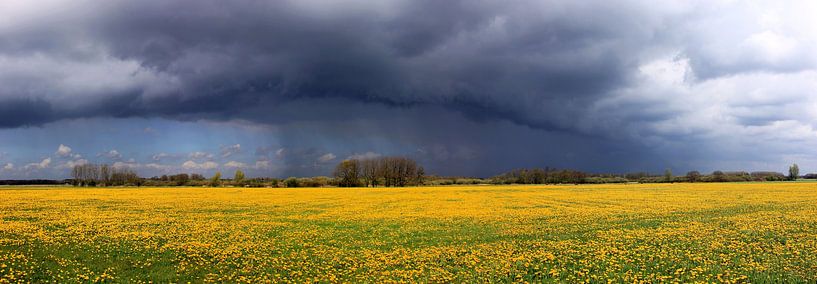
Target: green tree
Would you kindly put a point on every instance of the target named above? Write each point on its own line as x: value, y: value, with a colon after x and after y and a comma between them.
x: 693, y: 176
x: 215, y: 181
x: 291, y: 182
x: 668, y: 175
x: 238, y: 178
x: 718, y: 176
x: 794, y: 172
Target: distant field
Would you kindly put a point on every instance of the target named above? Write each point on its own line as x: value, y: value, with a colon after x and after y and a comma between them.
x: 763, y: 232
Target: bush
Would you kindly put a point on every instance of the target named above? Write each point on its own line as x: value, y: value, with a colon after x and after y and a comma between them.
x: 291, y: 182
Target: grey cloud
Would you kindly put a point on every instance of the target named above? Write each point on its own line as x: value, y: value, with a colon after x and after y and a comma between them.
x: 229, y: 150
x: 526, y: 62
x: 198, y: 155
x: 405, y: 76
x: 113, y: 154
x: 159, y: 157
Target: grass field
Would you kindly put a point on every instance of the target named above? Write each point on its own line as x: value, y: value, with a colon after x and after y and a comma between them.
x: 763, y: 232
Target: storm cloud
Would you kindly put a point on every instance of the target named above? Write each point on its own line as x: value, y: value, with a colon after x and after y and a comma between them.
x: 470, y: 87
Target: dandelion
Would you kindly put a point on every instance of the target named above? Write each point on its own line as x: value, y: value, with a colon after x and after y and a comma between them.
x: 591, y: 233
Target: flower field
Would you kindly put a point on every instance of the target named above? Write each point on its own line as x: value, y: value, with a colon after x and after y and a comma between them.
x: 755, y: 232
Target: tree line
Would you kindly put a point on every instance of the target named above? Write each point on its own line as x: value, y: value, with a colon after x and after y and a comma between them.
x: 103, y: 175
x: 555, y: 176
x: 385, y: 171
x: 400, y: 171
x: 541, y: 176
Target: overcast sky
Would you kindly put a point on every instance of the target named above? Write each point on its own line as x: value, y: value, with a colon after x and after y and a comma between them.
x: 471, y: 87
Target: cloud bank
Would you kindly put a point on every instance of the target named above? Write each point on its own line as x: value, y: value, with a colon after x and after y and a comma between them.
x: 596, y: 85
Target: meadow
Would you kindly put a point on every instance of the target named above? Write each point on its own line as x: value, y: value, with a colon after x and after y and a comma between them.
x: 707, y: 232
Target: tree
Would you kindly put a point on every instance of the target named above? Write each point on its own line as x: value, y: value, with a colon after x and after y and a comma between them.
x: 124, y: 176
x: 421, y: 172
x: 215, y: 181
x: 718, y: 176
x: 291, y: 182
x: 85, y: 175
x: 693, y: 176
x: 388, y: 171
x: 794, y: 172
x: 370, y: 171
x: 668, y: 175
x: 105, y: 174
x: 180, y: 179
x: 76, y: 175
x: 347, y: 173
x: 238, y: 178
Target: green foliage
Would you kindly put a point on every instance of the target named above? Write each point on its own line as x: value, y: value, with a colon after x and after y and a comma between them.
x: 291, y: 182
x: 794, y: 172
x: 215, y: 181
x: 605, y: 179
x: 693, y: 176
x: 718, y: 176
x: 435, y: 180
x: 540, y: 176
x: 238, y: 178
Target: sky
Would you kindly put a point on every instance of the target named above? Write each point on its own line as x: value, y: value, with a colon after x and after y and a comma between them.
x: 472, y: 88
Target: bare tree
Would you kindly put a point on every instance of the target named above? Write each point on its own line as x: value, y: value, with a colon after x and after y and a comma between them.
x: 105, y: 174
x: 388, y: 171
x: 92, y: 175
x: 370, y: 171
x: 347, y: 173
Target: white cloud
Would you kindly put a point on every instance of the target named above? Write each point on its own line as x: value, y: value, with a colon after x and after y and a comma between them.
x: 112, y: 154
x: 230, y: 150
x: 72, y: 164
x: 132, y: 164
x: 158, y: 167
x: 326, y: 158
x: 280, y: 153
x: 262, y: 165
x: 771, y: 47
x: 259, y: 165
x: 200, y: 155
x: 364, y: 156
x: 160, y: 156
x: 63, y: 151
x: 234, y: 164
x: 8, y: 167
x: 126, y: 165
x: 191, y: 165
x: 41, y: 165
x: 670, y: 110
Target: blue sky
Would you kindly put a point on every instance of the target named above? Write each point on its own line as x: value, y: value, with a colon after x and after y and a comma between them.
x: 154, y: 146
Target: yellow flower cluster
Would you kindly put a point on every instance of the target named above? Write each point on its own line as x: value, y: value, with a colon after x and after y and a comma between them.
x: 671, y: 233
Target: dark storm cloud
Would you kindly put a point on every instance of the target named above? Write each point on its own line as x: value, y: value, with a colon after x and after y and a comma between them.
x: 485, y: 59
x: 626, y: 77
x: 20, y: 112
